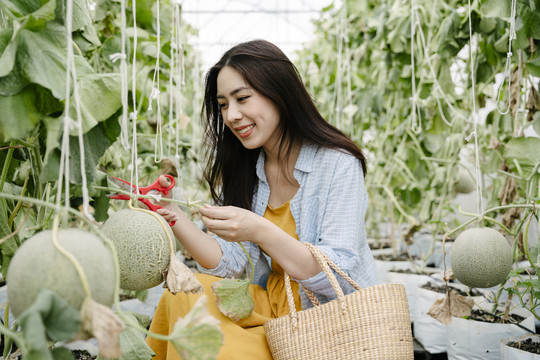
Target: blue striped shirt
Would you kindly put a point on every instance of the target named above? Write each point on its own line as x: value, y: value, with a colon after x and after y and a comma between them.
x: 329, y: 210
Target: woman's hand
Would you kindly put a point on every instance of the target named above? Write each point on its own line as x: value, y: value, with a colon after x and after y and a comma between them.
x: 232, y: 223
x: 168, y: 212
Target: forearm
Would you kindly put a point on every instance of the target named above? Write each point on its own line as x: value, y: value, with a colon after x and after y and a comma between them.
x: 294, y: 257
x: 203, y: 247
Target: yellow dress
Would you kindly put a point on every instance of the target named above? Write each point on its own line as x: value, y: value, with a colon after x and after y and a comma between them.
x: 243, y: 339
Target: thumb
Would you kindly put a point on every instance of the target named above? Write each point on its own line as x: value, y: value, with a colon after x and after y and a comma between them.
x: 164, y: 181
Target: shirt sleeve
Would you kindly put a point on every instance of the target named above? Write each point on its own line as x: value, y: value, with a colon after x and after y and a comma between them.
x: 232, y: 263
x: 341, y: 232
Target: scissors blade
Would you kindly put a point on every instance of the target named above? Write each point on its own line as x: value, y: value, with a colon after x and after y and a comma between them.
x: 120, y: 183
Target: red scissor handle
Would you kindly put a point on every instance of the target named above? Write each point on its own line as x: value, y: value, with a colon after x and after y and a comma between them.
x: 144, y: 190
x: 155, y: 186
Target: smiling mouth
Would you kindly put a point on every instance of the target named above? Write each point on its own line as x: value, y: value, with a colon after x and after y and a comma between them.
x: 244, y: 130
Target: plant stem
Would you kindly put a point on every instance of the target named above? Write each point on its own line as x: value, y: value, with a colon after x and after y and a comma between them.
x: 14, y: 336
x: 525, y: 241
x: 19, y: 204
x: 7, y: 162
x: 477, y: 217
x: 250, y: 262
x: 411, y: 219
x: 178, y: 202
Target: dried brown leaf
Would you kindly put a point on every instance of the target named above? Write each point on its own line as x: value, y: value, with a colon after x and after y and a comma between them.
x: 449, y: 275
x: 178, y: 277
x: 100, y: 322
x: 452, y: 304
x: 533, y: 103
x: 515, y: 79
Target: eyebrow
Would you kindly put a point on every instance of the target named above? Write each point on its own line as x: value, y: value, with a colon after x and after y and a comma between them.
x: 234, y: 92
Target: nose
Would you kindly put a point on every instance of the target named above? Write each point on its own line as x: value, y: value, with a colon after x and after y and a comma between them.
x: 233, y: 113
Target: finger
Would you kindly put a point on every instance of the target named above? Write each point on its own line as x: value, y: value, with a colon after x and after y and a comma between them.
x: 214, y: 225
x: 168, y: 215
x: 214, y: 212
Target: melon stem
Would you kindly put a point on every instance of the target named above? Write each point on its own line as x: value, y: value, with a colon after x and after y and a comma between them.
x: 70, y: 257
x: 526, y: 241
x: 250, y: 262
x: 188, y: 204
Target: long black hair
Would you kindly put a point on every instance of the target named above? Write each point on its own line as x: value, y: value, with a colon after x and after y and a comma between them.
x: 230, y: 169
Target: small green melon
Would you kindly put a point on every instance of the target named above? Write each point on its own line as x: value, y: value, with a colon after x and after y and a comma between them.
x: 142, y: 246
x: 38, y: 264
x: 481, y: 257
x: 464, y: 182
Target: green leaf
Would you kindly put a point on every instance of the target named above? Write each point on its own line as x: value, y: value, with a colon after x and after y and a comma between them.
x: 22, y: 7
x: 49, y: 318
x: 42, y: 58
x: 95, y: 144
x: 495, y: 8
x: 8, y: 48
x: 102, y: 89
x: 525, y: 151
x: 53, y: 127
x: 62, y: 353
x: 197, y: 336
x: 18, y: 116
x: 14, y: 82
x: 132, y: 341
x: 536, y: 122
x: 39, y: 18
x: 80, y: 17
x: 533, y: 66
x: 101, y: 207
x: 233, y: 298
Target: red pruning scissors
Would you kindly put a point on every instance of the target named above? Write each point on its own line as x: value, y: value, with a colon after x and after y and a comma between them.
x: 155, y: 187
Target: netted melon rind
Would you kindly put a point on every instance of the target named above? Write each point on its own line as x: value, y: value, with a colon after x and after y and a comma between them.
x: 38, y: 264
x: 481, y: 257
x: 142, y: 246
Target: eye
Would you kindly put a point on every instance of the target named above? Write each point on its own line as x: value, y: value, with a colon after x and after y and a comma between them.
x: 222, y: 106
x: 243, y: 98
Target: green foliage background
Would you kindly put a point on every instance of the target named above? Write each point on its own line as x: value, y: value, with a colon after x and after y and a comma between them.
x: 360, y: 72
x: 394, y: 75
x: 33, y: 60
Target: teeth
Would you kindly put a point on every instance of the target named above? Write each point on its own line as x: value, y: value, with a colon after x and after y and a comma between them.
x: 245, y: 130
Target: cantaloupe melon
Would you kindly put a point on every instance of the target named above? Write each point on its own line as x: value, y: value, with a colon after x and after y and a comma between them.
x: 142, y: 245
x: 38, y: 264
x: 481, y: 257
x: 464, y: 182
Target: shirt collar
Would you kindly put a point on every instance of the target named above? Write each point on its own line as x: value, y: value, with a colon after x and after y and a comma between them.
x: 304, y: 162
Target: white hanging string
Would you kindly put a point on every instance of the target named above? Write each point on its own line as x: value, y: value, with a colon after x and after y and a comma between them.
x: 133, y: 115
x: 124, y: 124
x: 155, y: 94
x: 172, y: 71
x: 179, y: 80
x: 416, y: 118
x: 338, y: 96
x: 71, y: 73
x: 478, y: 174
x: 436, y: 83
x: 507, y: 76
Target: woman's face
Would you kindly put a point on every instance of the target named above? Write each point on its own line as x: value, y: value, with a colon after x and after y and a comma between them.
x: 253, y: 118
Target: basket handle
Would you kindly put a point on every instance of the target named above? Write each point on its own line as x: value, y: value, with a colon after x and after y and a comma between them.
x: 326, y: 263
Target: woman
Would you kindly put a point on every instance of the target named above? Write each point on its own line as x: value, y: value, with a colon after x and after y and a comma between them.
x: 282, y: 176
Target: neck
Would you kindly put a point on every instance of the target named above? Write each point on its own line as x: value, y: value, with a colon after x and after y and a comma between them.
x: 286, y: 162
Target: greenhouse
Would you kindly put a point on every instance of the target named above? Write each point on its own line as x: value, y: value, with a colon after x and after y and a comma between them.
x: 302, y: 180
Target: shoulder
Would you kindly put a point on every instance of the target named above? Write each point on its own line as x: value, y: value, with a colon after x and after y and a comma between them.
x: 337, y: 159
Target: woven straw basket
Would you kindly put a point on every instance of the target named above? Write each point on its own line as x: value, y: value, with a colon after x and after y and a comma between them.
x: 370, y: 323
